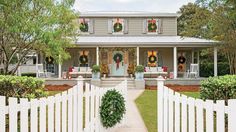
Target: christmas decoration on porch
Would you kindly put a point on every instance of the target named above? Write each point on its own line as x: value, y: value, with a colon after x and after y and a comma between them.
x: 49, y: 60
x: 152, y: 58
x: 83, y: 26
x: 118, y: 58
x: 181, y: 62
x: 117, y: 26
x: 83, y: 58
x: 152, y: 26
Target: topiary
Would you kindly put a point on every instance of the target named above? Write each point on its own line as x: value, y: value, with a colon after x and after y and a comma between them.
x: 95, y: 69
x: 112, y: 108
x: 139, y: 68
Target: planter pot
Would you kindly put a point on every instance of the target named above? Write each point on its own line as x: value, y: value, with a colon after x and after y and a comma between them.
x: 131, y: 75
x: 96, y: 75
x: 104, y: 75
x: 139, y: 75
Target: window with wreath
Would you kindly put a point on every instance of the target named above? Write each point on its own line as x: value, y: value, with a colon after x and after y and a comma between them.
x: 118, y: 25
x: 84, y: 25
x: 152, y: 26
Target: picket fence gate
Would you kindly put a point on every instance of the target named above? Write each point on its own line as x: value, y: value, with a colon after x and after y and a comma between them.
x: 179, y: 113
x: 75, y: 110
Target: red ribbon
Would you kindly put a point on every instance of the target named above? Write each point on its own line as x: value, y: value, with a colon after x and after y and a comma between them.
x: 117, y: 62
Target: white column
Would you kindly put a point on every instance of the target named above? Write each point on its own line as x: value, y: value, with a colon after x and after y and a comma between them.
x: 198, y: 62
x: 36, y: 66
x: 97, y: 56
x: 59, y: 67
x: 192, y: 56
x: 215, y: 61
x: 175, y: 62
x: 137, y: 56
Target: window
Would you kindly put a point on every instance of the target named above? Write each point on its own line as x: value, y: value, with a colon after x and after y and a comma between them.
x: 84, y: 25
x: 118, y: 26
x: 152, y: 26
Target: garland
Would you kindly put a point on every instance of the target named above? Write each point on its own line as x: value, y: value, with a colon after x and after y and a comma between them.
x: 152, y: 27
x: 117, y: 27
x: 117, y: 58
x: 112, y: 108
x: 83, y: 27
x: 83, y: 59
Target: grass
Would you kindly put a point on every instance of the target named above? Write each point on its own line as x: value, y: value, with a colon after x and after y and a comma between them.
x: 147, y: 105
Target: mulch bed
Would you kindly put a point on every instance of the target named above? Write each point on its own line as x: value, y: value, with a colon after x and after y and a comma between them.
x: 58, y: 87
x: 179, y: 88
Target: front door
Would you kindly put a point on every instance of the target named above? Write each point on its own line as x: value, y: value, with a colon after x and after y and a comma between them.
x: 118, y: 68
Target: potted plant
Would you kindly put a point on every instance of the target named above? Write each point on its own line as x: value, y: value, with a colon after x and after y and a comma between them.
x: 95, y: 72
x: 139, y: 72
x: 104, y: 70
x: 130, y: 70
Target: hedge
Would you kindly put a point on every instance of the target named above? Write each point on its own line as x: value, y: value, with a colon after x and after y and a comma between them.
x: 207, y: 69
x: 21, y: 87
x: 219, y: 88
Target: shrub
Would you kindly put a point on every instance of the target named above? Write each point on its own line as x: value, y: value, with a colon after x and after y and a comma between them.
x: 95, y: 68
x: 29, y: 74
x: 207, y: 69
x: 219, y: 88
x: 21, y: 87
x: 139, y: 68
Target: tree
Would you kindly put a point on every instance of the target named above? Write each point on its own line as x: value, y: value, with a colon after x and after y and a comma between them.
x: 45, y: 26
x: 193, y: 21
x: 223, y: 27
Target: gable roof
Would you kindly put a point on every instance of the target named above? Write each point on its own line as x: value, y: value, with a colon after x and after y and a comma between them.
x: 129, y: 41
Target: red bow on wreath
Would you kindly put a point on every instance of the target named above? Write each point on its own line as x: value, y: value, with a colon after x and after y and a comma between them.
x: 117, y: 62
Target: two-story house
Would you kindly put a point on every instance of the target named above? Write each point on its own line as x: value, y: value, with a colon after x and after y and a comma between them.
x: 121, y: 39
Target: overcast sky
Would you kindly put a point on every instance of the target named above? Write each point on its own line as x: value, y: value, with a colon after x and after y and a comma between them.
x: 170, y: 6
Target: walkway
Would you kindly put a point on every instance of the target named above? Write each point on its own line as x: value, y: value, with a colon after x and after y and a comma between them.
x: 134, y: 121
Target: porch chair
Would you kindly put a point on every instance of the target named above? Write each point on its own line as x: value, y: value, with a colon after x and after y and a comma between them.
x: 40, y: 71
x: 193, y: 70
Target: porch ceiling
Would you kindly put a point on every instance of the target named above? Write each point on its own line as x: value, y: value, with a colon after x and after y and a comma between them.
x: 143, y: 41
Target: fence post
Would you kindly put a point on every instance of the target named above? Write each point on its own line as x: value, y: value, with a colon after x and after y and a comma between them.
x: 80, y: 90
x: 160, y: 112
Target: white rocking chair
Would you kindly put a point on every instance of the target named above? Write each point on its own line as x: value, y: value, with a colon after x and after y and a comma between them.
x: 193, y: 70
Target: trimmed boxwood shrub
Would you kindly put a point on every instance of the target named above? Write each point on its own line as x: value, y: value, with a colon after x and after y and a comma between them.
x: 96, y: 68
x: 21, y: 87
x: 219, y: 88
x: 207, y: 69
x: 29, y: 74
x: 139, y: 68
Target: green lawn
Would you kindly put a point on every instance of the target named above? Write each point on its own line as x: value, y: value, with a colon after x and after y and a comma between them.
x: 147, y: 105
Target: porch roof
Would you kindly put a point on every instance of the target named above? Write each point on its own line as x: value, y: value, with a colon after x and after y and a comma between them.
x: 143, y: 41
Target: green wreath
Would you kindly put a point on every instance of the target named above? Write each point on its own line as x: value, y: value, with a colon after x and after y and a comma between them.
x: 117, y: 27
x: 83, y: 27
x: 152, y: 59
x: 83, y: 59
x: 118, y: 55
x: 112, y: 108
x: 152, y: 27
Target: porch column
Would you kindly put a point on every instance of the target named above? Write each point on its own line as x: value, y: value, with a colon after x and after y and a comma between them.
x: 37, y: 62
x: 198, y: 62
x: 59, y: 67
x: 97, y: 55
x: 192, y: 56
x: 175, y: 62
x: 215, y: 61
x: 137, y: 56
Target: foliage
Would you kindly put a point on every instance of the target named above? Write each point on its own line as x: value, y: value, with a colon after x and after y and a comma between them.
x: 104, y: 69
x: 193, y: 21
x: 119, y: 56
x: 117, y: 27
x: 130, y: 69
x: 139, y: 68
x: 21, y: 87
x: 29, y: 27
x: 112, y: 108
x: 95, y: 69
x: 219, y: 88
x: 29, y: 74
x: 207, y: 69
x: 83, y: 27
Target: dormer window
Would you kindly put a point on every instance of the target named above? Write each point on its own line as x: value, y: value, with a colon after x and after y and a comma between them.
x: 85, y: 25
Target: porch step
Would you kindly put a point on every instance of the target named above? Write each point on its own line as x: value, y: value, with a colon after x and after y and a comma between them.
x: 111, y: 82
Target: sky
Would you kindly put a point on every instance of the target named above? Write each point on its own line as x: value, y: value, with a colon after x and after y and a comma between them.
x: 168, y: 6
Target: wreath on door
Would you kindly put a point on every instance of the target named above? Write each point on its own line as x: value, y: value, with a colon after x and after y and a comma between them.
x: 117, y: 58
x: 117, y: 27
x: 181, y: 60
x: 83, y: 27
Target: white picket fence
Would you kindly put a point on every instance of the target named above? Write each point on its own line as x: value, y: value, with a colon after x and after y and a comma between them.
x: 179, y: 113
x: 75, y: 110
